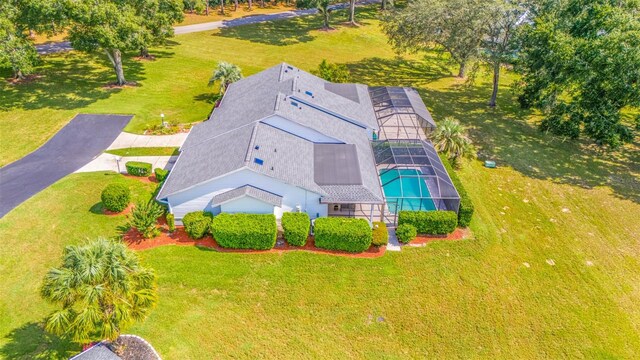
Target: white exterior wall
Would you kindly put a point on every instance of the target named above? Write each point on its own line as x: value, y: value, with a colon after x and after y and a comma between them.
x: 247, y: 204
x: 199, y: 197
x: 299, y: 130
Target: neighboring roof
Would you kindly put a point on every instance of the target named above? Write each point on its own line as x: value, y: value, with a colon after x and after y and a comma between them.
x: 132, y: 347
x: 227, y: 141
x: 97, y: 352
x: 336, y: 164
x: 250, y: 191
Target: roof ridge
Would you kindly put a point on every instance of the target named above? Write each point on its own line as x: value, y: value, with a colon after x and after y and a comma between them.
x: 252, y: 141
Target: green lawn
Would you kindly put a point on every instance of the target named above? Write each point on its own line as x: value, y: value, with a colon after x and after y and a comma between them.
x: 145, y: 151
x: 548, y: 200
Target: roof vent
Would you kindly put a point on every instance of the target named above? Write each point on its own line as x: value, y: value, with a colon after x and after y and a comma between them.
x: 289, y: 67
x: 275, y: 150
x: 272, y: 168
x: 257, y: 147
x: 258, y: 161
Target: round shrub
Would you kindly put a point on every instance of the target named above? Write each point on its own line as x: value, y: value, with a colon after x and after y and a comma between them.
x: 115, y: 197
x: 380, y: 234
x: 197, y: 223
x: 405, y: 233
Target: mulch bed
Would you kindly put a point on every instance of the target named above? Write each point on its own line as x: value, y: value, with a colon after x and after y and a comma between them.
x: 114, y: 85
x: 135, y: 241
x: 126, y: 211
x: 458, y: 234
x: 27, y: 79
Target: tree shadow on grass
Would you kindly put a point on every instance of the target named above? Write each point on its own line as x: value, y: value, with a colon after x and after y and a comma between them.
x: 71, y: 80
x: 31, y: 341
x: 396, y: 72
x: 508, y: 135
x: 288, y: 30
x: 97, y: 208
x: 279, y: 33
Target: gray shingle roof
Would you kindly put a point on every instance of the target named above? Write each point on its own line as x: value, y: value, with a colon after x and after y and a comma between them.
x: 248, y: 190
x: 209, y: 159
x: 227, y: 141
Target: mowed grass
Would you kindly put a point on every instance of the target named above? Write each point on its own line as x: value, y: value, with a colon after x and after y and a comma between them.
x: 145, y: 151
x: 495, y: 296
x: 33, y: 237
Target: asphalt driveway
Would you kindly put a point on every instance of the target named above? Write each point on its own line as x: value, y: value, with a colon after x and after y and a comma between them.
x: 83, y: 139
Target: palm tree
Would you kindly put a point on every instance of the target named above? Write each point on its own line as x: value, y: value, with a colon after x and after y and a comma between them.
x: 226, y: 73
x: 450, y: 138
x: 101, y: 289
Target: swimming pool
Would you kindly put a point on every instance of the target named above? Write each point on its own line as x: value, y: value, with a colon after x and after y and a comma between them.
x: 405, y: 192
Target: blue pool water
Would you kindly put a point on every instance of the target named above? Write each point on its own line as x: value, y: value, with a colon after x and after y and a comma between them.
x: 406, y: 193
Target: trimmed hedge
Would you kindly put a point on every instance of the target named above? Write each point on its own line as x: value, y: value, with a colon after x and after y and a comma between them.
x: 296, y: 228
x: 197, y: 223
x: 465, y: 212
x: 138, y: 168
x: 405, y: 233
x: 171, y: 222
x: 430, y: 222
x: 347, y: 234
x: 380, y: 234
x: 161, y: 174
x: 245, y: 231
x: 115, y: 197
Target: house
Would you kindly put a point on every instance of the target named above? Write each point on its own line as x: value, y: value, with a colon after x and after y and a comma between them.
x: 285, y: 140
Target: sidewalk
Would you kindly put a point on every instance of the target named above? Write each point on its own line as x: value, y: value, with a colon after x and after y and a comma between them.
x: 128, y: 140
x: 108, y: 162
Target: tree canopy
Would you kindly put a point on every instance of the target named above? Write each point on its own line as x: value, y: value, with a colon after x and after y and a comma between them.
x: 580, y: 61
x: 100, y: 288
x: 323, y: 7
x: 337, y: 73
x: 457, y: 26
x: 115, y: 26
x: 17, y: 19
x: 225, y: 73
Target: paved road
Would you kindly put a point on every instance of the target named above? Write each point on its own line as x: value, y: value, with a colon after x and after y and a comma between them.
x: 246, y: 20
x: 83, y: 139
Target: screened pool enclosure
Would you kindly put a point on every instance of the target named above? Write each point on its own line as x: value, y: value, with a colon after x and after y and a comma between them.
x: 413, y: 177
x: 401, y: 113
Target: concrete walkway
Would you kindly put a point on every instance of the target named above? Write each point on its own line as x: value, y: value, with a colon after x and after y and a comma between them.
x: 128, y: 140
x: 109, y: 162
x: 394, y: 244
